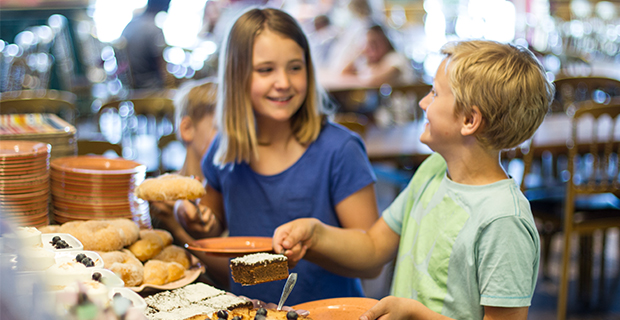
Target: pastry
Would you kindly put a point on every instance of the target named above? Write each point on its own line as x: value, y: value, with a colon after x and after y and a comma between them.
x: 161, y: 272
x: 125, y: 265
x: 169, y: 187
x: 258, y: 268
x: 95, y: 235
x: 149, y: 245
x: 176, y: 254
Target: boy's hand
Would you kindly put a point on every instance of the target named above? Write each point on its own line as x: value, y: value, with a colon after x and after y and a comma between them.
x: 294, y: 238
x: 392, y: 307
x: 198, y: 220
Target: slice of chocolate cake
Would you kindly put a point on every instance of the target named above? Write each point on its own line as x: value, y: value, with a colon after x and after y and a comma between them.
x: 258, y: 268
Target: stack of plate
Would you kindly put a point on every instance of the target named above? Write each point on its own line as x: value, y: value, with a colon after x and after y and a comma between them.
x: 96, y: 187
x: 44, y: 127
x: 24, y: 182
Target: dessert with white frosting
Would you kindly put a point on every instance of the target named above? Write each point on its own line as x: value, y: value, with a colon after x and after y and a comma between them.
x: 258, y: 268
x: 67, y: 273
x: 22, y: 237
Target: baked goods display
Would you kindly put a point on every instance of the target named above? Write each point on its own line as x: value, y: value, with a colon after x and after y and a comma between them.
x: 139, y: 257
x: 194, y: 300
x: 248, y: 313
x: 167, y: 187
x: 258, y: 268
x: 102, y: 235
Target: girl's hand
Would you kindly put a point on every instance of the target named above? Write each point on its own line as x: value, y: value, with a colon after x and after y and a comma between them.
x: 294, y: 238
x: 196, y: 219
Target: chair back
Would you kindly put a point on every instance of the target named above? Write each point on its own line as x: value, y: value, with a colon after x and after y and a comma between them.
x: 594, y: 148
x: 61, y: 103
x: 570, y: 90
x: 87, y: 147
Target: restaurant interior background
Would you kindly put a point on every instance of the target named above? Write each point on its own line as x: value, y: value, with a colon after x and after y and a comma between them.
x: 74, y: 46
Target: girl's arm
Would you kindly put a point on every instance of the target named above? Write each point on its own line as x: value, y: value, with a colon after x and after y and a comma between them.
x: 359, y: 210
x: 348, y: 252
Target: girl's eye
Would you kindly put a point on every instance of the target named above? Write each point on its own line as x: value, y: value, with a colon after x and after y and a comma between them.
x: 297, y: 67
x: 433, y: 92
x: 264, y: 70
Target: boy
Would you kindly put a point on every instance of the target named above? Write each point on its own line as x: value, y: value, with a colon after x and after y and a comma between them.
x: 468, y: 247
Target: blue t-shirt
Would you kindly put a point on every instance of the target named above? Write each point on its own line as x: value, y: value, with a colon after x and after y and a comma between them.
x: 332, y: 168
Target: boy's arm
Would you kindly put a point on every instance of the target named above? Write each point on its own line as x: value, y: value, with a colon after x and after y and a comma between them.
x: 348, y: 252
x: 403, y: 308
x: 209, y: 222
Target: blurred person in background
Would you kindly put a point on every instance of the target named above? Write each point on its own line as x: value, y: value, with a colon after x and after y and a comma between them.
x: 194, y: 122
x: 145, y: 44
x: 322, y: 38
x: 379, y: 62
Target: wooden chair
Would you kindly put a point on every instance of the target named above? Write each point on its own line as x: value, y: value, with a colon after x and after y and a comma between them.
x: 61, y: 103
x: 593, y: 166
x: 569, y: 90
x: 96, y: 147
x: 544, y: 187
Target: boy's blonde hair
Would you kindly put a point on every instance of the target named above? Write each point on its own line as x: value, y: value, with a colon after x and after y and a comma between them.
x: 234, y: 112
x: 508, y: 85
x: 195, y: 101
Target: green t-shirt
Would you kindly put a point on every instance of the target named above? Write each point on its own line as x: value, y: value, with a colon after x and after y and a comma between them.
x: 463, y: 247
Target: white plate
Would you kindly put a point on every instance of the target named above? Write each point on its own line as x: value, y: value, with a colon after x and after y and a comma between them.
x: 138, y: 302
x: 109, y: 278
x: 46, y: 239
x: 66, y: 256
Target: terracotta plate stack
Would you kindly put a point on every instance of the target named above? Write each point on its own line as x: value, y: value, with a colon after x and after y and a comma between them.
x: 24, y: 182
x: 95, y: 187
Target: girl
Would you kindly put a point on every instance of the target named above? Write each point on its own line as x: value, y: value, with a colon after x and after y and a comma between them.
x: 276, y: 157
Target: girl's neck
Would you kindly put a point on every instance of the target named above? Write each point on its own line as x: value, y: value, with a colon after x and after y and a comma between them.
x: 274, y: 133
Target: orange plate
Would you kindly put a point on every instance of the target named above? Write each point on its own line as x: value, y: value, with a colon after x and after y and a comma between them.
x: 232, y: 246
x: 18, y: 150
x: 337, y: 308
x: 97, y: 165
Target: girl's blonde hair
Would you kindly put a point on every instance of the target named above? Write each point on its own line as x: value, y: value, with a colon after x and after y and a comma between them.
x: 234, y: 112
x: 507, y: 83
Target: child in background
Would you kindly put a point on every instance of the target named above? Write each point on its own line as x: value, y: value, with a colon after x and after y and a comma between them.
x: 380, y: 63
x: 462, y: 232
x: 276, y: 157
x: 195, y: 128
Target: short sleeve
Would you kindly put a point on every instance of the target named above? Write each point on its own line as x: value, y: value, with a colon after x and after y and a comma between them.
x: 395, y: 213
x: 209, y: 170
x: 507, y: 259
x: 351, y: 170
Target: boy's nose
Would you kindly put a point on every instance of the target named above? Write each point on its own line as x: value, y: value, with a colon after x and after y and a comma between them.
x: 425, y: 101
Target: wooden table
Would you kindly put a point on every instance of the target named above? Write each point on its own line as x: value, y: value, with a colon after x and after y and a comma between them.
x: 395, y: 144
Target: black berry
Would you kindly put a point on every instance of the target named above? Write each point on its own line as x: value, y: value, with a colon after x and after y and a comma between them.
x: 222, y: 314
x: 291, y: 315
x: 55, y: 239
x: 80, y: 257
x: 88, y: 262
x: 261, y: 312
x: 97, y: 276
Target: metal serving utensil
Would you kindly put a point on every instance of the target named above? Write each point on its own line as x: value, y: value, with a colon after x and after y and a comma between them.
x: 288, y: 287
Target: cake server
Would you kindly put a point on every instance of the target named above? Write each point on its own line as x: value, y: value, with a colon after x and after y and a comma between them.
x: 288, y: 287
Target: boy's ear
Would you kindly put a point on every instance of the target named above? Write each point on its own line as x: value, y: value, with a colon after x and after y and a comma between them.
x: 472, y: 123
x: 186, y: 129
